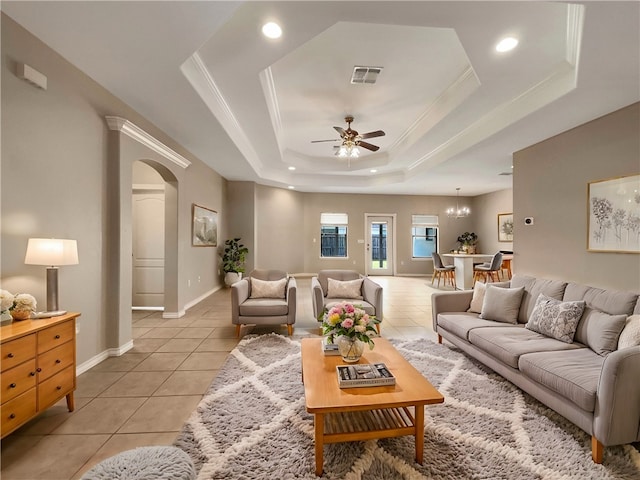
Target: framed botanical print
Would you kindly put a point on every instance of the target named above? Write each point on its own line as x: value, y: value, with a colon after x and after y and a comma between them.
x: 505, y: 227
x: 613, y: 215
x: 204, y: 227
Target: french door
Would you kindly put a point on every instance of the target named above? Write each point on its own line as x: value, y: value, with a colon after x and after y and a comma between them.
x: 379, y: 250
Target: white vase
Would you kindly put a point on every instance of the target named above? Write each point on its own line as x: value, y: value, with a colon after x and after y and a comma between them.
x: 232, y: 277
x: 351, y: 349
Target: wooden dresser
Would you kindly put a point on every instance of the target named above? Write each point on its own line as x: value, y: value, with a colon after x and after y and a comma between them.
x: 38, y: 364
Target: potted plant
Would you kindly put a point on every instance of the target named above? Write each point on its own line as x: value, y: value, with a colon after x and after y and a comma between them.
x: 233, y: 258
x: 468, y: 242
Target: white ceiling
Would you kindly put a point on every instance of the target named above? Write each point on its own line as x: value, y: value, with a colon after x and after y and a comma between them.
x: 453, y: 109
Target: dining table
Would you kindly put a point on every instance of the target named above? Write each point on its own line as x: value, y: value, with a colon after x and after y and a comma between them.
x: 464, y: 267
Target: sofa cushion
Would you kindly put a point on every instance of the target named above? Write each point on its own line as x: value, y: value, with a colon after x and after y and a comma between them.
x: 366, y: 306
x: 600, y: 331
x: 507, y: 344
x: 350, y: 289
x: 574, y: 374
x: 479, y: 289
x: 630, y: 336
x: 263, y: 307
x: 342, y: 275
x: 555, y: 319
x: 268, y: 289
x: 460, y: 324
x: 501, y: 304
x: 613, y: 302
x: 532, y: 288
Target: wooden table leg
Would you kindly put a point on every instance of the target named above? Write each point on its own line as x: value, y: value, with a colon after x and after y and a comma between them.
x: 419, y: 419
x: 319, y: 437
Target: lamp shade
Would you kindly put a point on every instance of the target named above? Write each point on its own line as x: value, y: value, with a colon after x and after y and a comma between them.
x: 51, y: 252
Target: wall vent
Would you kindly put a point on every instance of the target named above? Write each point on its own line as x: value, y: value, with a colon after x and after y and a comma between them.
x: 506, y: 173
x: 365, y: 74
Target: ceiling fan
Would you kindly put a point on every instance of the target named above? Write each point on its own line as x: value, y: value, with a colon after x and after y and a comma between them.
x: 351, y: 139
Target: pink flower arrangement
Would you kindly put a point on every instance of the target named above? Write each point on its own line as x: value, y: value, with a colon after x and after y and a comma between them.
x: 349, y: 320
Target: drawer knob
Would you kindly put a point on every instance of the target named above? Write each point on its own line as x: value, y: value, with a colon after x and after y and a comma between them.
x: 10, y: 355
x: 32, y: 374
x: 38, y: 369
x: 12, y: 416
x: 58, y: 360
x: 58, y: 387
x: 57, y: 337
x: 13, y: 385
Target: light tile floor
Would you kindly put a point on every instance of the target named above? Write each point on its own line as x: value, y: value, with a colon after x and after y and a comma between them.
x: 144, y: 396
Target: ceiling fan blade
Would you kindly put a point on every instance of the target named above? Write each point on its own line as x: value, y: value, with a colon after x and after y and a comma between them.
x: 377, y: 133
x: 318, y: 141
x: 368, y: 146
x: 340, y: 130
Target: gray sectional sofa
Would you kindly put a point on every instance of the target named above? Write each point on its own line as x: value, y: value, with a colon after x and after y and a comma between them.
x: 589, y: 381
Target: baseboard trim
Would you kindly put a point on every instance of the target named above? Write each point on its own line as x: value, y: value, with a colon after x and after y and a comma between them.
x: 110, y: 352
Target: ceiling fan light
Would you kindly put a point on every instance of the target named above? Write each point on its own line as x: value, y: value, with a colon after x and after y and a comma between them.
x: 342, y: 152
x: 355, y: 152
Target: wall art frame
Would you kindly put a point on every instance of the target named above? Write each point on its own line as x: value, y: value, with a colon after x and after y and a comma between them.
x: 613, y: 215
x: 204, y: 227
x: 505, y: 227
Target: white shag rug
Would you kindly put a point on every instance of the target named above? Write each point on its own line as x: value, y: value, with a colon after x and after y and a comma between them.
x: 252, y: 424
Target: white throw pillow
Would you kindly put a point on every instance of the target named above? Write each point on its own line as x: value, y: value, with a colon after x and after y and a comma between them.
x: 630, y: 336
x: 268, y: 289
x: 555, y: 318
x: 479, y: 290
x: 501, y: 304
x: 347, y: 289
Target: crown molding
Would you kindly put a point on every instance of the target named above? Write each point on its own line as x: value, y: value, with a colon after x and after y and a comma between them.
x: 200, y: 78
x: 575, y: 22
x: 269, y: 88
x: 133, y: 131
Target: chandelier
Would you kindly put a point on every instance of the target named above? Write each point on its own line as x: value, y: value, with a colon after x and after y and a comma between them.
x: 349, y: 149
x: 458, y: 212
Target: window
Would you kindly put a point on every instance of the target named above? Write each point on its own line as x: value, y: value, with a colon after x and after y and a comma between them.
x: 424, y: 235
x: 333, y: 234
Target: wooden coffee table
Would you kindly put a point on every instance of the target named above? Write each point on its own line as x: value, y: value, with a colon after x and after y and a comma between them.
x: 349, y: 414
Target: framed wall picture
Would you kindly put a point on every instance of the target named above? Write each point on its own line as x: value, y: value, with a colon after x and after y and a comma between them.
x: 613, y: 215
x: 204, y: 227
x: 505, y: 227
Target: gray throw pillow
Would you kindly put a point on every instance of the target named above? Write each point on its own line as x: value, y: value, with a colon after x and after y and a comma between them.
x: 501, y: 304
x: 600, y: 331
x: 555, y: 318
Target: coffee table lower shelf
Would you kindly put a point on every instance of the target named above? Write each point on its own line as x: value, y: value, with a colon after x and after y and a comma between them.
x: 348, y: 426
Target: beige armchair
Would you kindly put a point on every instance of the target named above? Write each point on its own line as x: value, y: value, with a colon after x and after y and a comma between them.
x: 269, y: 300
x: 369, y: 296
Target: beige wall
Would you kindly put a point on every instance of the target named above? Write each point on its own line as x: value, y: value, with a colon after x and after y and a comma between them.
x: 279, y: 223
x: 56, y: 166
x: 485, y: 218
x: 550, y: 184
x: 241, y: 219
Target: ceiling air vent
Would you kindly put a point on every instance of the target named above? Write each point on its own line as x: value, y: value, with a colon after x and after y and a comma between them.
x: 365, y: 74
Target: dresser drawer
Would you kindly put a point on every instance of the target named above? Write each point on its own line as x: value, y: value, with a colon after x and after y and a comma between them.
x: 56, y: 335
x: 14, y: 352
x: 53, y: 361
x: 17, y: 411
x: 18, y: 380
x: 56, y: 387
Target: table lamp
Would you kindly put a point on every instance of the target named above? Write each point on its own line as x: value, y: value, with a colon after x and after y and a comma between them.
x: 51, y: 252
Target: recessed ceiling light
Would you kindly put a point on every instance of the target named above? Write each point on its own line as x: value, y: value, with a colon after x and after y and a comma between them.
x: 271, y: 30
x: 373, y: 170
x: 506, y: 44
x: 292, y: 168
x: 291, y: 187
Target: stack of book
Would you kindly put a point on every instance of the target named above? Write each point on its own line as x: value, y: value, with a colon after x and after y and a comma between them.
x: 367, y: 375
x: 329, y: 348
